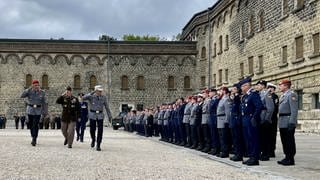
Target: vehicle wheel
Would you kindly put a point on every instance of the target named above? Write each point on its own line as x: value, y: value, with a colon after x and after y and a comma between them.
x: 115, y: 127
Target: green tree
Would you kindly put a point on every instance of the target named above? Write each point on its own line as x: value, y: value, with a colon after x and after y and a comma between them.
x: 132, y: 37
x: 105, y: 37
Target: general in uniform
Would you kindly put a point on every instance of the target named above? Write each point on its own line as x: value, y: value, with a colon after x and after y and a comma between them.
x: 70, y: 114
x: 97, y: 102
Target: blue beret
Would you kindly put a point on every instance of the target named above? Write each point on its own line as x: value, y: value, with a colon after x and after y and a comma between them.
x: 244, y: 81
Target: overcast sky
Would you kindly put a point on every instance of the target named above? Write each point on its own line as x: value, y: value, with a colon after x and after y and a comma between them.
x: 87, y: 19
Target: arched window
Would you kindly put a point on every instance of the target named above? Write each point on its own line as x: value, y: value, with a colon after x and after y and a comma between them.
x: 241, y: 32
x: 124, y: 83
x: 220, y: 44
x: 76, y: 83
x: 261, y: 20
x: 93, y: 81
x: 45, y: 81
x: 203, y: 52
x: 231, y: 11
x: 187, y: 84
x: 28, y: 80
x: 171, y: 82
x: 140, y: 83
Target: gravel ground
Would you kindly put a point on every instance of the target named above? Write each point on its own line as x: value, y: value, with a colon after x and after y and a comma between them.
x: 123, y: 156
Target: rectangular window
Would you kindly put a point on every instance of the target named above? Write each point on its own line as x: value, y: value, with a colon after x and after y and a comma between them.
x: 226, y: 75
x: 139, y: 107
x: 220, y: 44
x: 227, y: 42
x: 300, y: 99
x: 299, y: 4
x: 315, y: 39
x: 220, y: 76
x: 284, y: 54
x: 241, y: 70
x: 203, y: 81
x: 250, y: 63
x: 214, y: 49
x: 260, y: 63
x: 299, y: 47
x: 285, y: 7
x: 315, y: 101
x: 214, y: 80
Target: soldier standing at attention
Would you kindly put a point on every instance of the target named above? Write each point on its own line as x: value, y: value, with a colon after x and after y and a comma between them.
x: 288, y: 113
x: 36, y: 106
x: 251, y: 107
x: 70, y: 115
x: 82, y: 120
x: 274, y: 125
x: 97, y: 102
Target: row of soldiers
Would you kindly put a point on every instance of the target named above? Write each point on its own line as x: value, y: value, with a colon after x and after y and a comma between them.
x: 3, y: 121
x: 242, y: 121
x: 52, y: 121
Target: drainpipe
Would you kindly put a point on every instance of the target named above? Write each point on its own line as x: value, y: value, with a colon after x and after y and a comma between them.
x: 209, y: 51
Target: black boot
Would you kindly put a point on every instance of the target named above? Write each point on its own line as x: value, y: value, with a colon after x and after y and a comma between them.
x: 92, y: 143
x: 33, y: 142
x: 98, y: 147
x: 65, y: 142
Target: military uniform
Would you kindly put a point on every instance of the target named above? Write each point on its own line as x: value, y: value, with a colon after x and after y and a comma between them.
x: 251, y: 107
x: 70, y: 114
x: 155, y: 124
x: 36, y: 106
x: 181, y: 127
x: 223, y: 118
x: 82, y: 121
x: 186, y: 122
x: 96, y: 115
x: 204, y: 125
x: 215, y: 143
x: 193, y: 126
x: 288, y: 112
x: 265, y: 124
x: 274, y: 119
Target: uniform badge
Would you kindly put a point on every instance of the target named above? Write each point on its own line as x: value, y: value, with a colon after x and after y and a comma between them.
x: 293, y: 98
x: 269, y: 96
x: 246, y: 104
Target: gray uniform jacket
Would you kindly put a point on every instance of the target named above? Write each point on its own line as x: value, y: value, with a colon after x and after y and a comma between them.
x: 193, y: 114
x: 205, y: 111
x: 187, y: 113
x: 223, y: 112
x: 132, y: 119
x: 166, y: 117
x: 145, y: 119
x: 155, y: 117
x: 96, y: 104
x: 268, y: 106
x: 288, y: 109
x: 160, y: 117
x: 36, y: 102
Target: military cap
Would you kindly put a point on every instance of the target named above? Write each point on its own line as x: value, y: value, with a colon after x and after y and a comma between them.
x: 68, y: 88
x: 244, y: 81
x: 271, y: 85
x: 262, y: 82
x: 285, y: 81
x: 98, y: 88
x: 35, y: 81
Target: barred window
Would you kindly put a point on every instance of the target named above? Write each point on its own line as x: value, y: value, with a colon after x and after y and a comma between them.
x: 214, y: 80
x: 203, y: 52
x: 315, y: 39
x: 299, y: 47
x: 250, y: 63
x: 214, y: 49
x: 140, y: 83
x: 203, y: 81
x: 93, y: 81
x: 241, y: 70
x: 28, y: 80
x: 284, y: 54
x: 299, y: 4
x: 227, y: 42
x: 45, y: 83
x: 220, y: 76
x: 187, y: 84
x: 261, y: 20
x: 124, y: 83
x: 220, y: 44
x: 76, y: 83
x: 251, y: 25
x: 171, y: 82
x: 260, y: 63
x: 285, y: 7
x: 226, y: 75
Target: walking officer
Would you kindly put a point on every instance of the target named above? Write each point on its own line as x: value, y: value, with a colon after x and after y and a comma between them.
x: 97, y: 103
x: 70, y: 115
x: 82, y: 121
x: 288, y: 112
x: 36, y: 106
x: 251, y: 107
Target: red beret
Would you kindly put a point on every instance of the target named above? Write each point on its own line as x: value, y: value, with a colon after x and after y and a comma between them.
x: 189, y: 97
x: 285, y: 81
x: 35, y: 81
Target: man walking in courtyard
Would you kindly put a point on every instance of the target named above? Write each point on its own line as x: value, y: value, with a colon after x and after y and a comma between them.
x: 97, y: 103
x: 36, y: 106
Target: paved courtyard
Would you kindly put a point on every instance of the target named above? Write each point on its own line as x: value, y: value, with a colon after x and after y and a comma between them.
x: 128, y: 156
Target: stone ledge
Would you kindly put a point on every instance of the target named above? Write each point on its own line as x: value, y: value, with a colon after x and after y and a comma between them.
x: 314, y: 55
x: 284, y: 17
x: 299, y: 60
x: 259, y: 72
x: 282, y: 65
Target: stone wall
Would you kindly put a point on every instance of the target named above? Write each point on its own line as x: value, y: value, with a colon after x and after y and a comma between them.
x: 61, y: 61
x: 278, y: 30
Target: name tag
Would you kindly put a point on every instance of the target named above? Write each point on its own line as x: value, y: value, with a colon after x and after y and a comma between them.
x: 97, y: 112
x: 34, y: 106
x: 83, y: 107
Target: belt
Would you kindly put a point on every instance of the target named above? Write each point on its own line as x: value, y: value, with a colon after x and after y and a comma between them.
x: 97, y: 112
x: 205, y: 113
x: 221, y: 115
x: 34, y: 105
x: 285, y: 114
x: 244, y: 114
x: 187, y: 114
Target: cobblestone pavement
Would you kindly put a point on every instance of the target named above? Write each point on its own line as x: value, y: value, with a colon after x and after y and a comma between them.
x: 123, y: 156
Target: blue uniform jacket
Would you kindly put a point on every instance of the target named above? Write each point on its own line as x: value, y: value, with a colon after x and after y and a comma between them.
x: 213, y: 104
x: 251, y: 107
x: 235, y: 112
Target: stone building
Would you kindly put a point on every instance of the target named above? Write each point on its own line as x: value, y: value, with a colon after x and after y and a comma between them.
x: 269, y: 40
x: 137, y: 74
